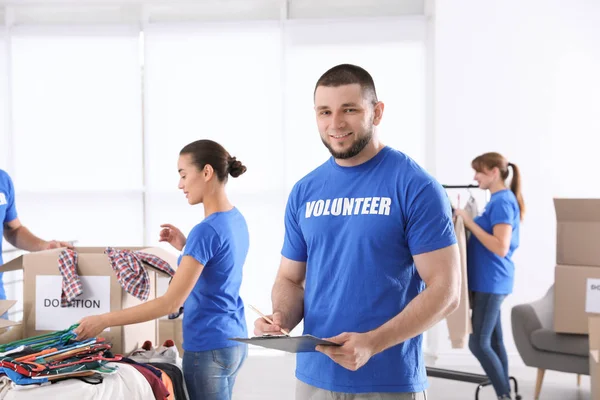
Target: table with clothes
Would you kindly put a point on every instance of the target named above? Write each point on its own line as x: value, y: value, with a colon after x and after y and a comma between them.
x: 56, y: 365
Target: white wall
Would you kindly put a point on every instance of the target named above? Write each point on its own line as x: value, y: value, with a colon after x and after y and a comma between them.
x: 521, y: 78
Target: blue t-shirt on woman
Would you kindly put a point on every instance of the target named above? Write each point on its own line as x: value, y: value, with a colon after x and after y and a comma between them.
x: 214, y: 310
x: 488, y: 272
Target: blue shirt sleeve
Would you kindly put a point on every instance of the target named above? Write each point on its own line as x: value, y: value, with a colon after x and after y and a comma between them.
x: 202, y: 243
x: 502, y: 212
x: 294, y: 245
x: 11, y: 211
x: 429, y: 220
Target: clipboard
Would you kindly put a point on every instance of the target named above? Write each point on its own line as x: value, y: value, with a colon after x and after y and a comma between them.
x: 290, y: 344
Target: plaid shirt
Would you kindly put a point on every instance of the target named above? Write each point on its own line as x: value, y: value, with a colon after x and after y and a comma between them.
x: 128, y: 266
x: 71, y: 285
x: 132, y: 274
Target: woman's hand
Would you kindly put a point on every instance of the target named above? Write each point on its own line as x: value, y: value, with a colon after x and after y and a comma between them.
x: 173, y: 236
x: 459, y: 212
x: 90, y: 327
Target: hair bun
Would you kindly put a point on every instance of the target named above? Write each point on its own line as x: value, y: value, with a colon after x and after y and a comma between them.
x: 236, y: 168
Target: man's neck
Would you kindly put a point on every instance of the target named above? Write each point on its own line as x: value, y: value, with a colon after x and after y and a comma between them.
x: 365, y: 155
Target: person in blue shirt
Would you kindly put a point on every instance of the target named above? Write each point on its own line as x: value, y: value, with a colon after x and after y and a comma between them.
x: 369, y: 258
x: 208, y: 279
x: 494, y: 238
x: 14, y: 231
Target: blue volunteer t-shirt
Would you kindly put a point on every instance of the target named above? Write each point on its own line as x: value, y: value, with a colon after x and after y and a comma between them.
x: 8, y: 213
x: 358, y: 229
x: 214, y: 310
x: 488, y: 272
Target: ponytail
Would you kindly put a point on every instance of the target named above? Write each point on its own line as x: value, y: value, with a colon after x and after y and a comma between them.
x: 515, y: 187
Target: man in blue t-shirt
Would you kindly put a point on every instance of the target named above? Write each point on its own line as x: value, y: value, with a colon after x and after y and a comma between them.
x: 369, y: 259
x: 14, y: 232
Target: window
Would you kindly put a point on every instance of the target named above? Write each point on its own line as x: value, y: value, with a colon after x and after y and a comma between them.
x: 76, y: 109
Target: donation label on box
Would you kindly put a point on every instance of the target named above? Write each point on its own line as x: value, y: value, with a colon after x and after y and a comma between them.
x: 50, y: 316
x: 592, y: 296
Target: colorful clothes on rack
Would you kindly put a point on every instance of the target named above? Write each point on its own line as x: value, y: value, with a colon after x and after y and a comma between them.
x: 459, y: 321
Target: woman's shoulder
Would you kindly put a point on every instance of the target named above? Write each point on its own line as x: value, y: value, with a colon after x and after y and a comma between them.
x: 504, y: 200
x: 218, y: 224
x: 510, y: 197
x: 202, y: 229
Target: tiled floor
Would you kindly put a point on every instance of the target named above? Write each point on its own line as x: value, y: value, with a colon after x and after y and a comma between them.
x: 272, y: 377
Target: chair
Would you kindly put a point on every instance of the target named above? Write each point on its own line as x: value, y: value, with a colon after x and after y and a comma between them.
x: 542, y: 348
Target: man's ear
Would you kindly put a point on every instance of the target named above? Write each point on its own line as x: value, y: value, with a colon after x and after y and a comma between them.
x: 378, y: 112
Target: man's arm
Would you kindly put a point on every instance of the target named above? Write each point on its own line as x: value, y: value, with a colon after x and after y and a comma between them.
x: 288, y: 292
x: 19, y: 236
x: 440, y: 269
x: 287, y: 297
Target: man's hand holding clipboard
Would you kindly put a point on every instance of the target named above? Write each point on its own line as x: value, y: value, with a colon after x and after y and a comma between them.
x: 270, y: 334
x: 349, y: 349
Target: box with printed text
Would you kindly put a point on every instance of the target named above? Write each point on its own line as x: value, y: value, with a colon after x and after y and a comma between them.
x: 102, y: 292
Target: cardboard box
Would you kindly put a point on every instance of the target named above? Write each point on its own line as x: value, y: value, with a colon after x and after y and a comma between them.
x: 577, y: 232
x: 101, y: 293
x: 575, y: 292
x: 171, y: 329
x: 594, y: 329
x: 9, y: 330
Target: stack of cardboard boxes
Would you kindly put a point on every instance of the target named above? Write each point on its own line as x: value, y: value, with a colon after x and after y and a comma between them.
x: 577, y: 276
x: 577, y: 273
x: 102, y: 293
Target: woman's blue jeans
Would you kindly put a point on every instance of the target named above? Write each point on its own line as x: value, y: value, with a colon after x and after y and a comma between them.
x: 210, y: 375
x: 486, y: 342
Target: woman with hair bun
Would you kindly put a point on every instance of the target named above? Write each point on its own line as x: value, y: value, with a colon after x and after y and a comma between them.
x: 207, y: 280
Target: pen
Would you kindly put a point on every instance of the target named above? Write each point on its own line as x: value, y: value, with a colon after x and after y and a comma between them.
x: 267, y: 319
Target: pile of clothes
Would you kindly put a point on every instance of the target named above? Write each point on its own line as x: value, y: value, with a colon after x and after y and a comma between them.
x: 55, y: 356
x: 37, y: 362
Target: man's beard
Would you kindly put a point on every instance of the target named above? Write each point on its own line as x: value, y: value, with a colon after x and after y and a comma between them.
x: 356, y: 147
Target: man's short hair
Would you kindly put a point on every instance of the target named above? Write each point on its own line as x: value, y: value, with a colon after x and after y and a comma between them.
x: 348, y: 74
